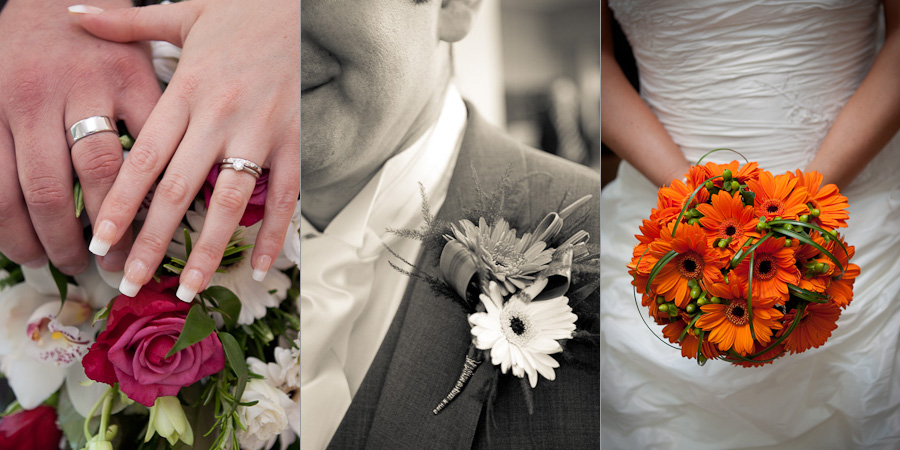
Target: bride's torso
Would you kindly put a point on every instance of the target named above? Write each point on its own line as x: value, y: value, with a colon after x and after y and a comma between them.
x: 766, y: 78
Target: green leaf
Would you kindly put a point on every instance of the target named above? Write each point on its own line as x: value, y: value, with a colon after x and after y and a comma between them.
x: 197, y: 326
x: 187, y: 243
x: 79, y: 199
x: 103, y: 312
x: 235, y: 357
x: 807, y: 240
x: 659, y: 267
x: 229, y: 304
x: 807, y: 295
x: 62, y: 284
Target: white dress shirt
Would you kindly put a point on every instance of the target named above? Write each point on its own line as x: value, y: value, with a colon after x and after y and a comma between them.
x: 349, y: 291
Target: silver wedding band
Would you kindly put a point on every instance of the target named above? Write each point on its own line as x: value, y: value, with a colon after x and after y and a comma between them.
x: 92, y: 125
x: 241, y: 165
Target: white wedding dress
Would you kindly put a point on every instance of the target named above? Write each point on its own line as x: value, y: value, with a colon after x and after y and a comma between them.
x: 766, y: 78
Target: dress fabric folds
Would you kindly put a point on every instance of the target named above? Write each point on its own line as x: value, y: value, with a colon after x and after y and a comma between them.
x: 765, y: 78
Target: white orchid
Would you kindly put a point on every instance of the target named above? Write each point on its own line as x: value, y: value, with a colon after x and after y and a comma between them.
x: 39, y: 340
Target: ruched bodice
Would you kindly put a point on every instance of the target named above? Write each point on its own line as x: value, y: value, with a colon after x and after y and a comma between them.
x: 766, y: 78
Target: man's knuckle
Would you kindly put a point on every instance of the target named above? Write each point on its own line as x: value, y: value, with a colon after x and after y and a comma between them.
x: 46, y: 193
x: 98, y: 166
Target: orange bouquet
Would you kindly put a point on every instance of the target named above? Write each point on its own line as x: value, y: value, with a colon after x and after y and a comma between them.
x: 744, y: 266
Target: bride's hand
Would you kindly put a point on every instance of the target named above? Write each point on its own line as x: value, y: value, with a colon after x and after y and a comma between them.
x: 235, y: 93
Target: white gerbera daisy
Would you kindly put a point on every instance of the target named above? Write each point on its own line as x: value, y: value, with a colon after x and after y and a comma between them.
x: 255, y: 296
x: 522, y: 334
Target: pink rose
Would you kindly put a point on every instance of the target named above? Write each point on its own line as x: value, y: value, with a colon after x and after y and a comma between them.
x: 139, y: 332
x: 256, y: 207
x: 34, y: 429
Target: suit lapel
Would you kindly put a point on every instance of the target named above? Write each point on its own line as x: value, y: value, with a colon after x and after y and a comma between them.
x: 424, y: 351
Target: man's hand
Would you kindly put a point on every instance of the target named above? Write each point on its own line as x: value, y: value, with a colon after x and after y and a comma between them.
x: 52, y: 75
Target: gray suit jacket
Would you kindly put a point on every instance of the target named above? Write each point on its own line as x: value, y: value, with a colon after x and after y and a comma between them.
x: 425, y: 347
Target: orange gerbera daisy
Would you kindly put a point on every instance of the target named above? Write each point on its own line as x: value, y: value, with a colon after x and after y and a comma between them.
x: 814, y: 328
x: 811, y: 279
x: 779, y: 196
x: 743, y: 174
x: 695, y: 261
x: 728, y: 217
x: 841, y: 290
x: 671, y: 199
x: 827, y: 199
x: 773, y: 269
x: 690, y: 342
x: 649, y: 233
x: 728, y: 323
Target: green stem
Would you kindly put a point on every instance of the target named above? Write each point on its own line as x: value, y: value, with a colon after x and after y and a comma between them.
x: 107, y: 410
x: 87, y: 421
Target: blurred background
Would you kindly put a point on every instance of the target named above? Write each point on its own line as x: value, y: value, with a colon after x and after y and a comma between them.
x: 532, y: 67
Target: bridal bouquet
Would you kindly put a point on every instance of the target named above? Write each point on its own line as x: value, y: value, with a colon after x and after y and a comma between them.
x: 94, y: 370
x: 745, y: 266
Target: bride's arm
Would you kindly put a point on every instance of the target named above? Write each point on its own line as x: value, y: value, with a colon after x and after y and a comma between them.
x: 872, y: 115
x: 628, y: 126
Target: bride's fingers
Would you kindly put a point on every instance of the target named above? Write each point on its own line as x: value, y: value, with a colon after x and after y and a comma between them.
x: 169, y: 22
x: 172, y: 197
x: 146, y: 160
x: 281, y: 200
x: 226, y: 206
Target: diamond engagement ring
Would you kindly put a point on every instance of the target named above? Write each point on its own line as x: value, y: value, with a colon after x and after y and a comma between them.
x: 89, y: 126
x: 241, y: 165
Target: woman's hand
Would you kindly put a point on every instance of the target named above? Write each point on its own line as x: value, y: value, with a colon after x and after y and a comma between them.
x: 870, y: 118
x: 628, y: 126
x: 235, y: 93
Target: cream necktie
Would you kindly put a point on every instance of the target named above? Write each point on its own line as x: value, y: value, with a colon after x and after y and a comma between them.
x: 337, y: 279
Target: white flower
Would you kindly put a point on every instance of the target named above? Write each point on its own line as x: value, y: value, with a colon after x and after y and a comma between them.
x: 265, y: 420
x: 255, y: 296
x: 37, y: 345
x: 290, y: 253
x: 522, y: 334
x: 167, y: 418
x: 284, y: 375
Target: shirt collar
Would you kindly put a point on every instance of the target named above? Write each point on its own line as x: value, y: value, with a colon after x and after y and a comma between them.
x: 386, y: 198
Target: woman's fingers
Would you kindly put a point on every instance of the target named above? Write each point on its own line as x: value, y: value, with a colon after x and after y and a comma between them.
x: 281, y: 200
x: 226, y: 206
x: 147, y: 159
x: 169, y: 22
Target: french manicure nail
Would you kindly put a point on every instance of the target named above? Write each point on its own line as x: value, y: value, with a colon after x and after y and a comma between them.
x: 84, y: 9
x: 104, y: 234
x: 261, y: 268
x: 135, y: 273
x: 191, y: 281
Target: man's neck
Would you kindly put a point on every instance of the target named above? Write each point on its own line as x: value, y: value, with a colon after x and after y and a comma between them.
x: 322, y: 204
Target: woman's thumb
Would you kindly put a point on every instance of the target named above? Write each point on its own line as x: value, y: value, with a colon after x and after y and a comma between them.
x: 147, y: 23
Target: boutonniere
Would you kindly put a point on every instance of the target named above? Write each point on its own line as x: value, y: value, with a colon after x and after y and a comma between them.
x: 517, y: 289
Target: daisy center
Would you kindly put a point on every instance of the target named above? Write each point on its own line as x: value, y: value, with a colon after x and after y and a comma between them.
x: 736, y: 313
x: 730, y: 229
x: 764, y: 268
x: 690, y: 265
x: 517, y: 327
x: 773, y: 207
x: 505, y: 257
